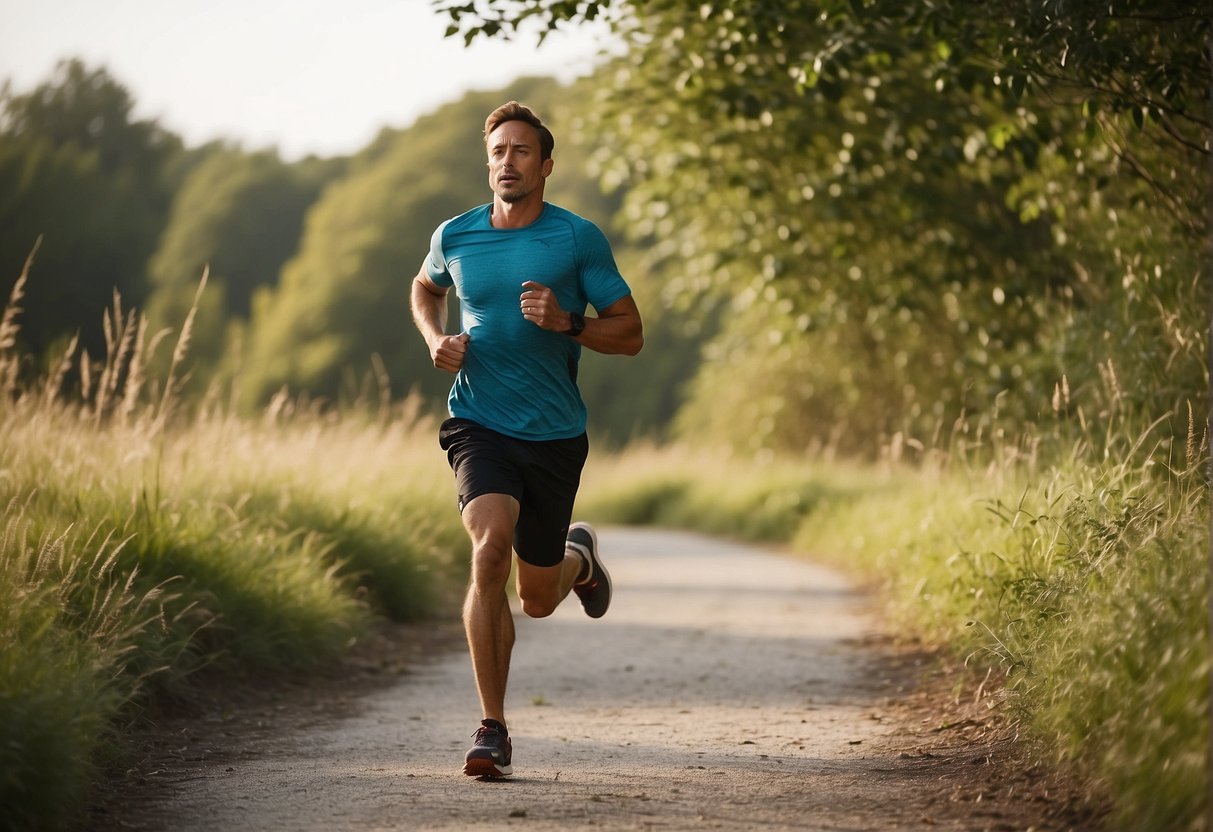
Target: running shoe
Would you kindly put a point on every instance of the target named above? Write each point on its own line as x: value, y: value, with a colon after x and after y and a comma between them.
x: 491, y: 752
x: 594, y: 589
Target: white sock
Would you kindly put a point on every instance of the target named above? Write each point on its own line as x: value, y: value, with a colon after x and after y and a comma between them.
x: 587, y: 567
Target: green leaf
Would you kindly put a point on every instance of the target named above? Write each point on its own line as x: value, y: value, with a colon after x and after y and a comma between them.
x: 1000, y: 135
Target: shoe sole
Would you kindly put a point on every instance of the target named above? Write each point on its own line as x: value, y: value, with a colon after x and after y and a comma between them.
x: 482, y: 767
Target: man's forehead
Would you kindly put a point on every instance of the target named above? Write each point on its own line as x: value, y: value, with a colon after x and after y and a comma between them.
x: 513, y: 133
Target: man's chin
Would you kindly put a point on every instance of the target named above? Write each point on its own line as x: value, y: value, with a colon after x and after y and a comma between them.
x: 509, y: 196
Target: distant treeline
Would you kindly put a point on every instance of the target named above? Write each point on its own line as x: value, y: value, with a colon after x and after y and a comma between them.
x: 309, y: 262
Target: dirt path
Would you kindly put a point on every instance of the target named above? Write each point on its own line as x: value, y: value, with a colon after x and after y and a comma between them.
x: 727, y: 688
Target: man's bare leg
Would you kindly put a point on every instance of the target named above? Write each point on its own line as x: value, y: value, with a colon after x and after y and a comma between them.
x: 489, y: 520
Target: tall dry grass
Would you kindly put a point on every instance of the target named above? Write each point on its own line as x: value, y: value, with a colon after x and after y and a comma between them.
x: 147, y: 539
x: 1071, y: 567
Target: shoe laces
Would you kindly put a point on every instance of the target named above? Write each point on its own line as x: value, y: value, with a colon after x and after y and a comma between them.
x: 486, y: 732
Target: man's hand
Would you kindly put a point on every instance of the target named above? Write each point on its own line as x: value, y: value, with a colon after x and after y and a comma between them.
x: 539, y: 306
x: 428, y: 302
x: 448, y: 351
x: 616, y: 330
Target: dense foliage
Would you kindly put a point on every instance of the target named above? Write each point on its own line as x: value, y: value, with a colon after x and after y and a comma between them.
x: 910, y: 213
x: 884, y: 216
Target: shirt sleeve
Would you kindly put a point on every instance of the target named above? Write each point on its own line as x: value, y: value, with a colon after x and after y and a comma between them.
x: 435, y: 261
x: 600, y: 277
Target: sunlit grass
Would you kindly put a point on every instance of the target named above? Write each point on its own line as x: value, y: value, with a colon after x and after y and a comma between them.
x: 268, y: 546
x: 144, y: 541
x: 716, y: 491
x: 1082, y: 584
x: 1087, y: 587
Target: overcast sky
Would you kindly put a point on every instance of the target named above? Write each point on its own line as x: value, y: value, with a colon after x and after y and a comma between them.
x: 305, y: 76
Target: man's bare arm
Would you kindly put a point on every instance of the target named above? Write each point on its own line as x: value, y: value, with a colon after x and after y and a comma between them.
x: 429, y: 304
x: 616, y: 331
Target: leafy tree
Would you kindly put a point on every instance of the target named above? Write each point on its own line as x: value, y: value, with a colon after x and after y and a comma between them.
x: 886, y: 199
x: 240, y: 214
x: 76, y: 169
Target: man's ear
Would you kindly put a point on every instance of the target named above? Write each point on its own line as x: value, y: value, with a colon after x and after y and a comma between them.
x: 547, y: 167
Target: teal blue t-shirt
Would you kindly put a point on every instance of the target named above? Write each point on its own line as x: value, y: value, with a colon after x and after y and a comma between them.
x: 517, y: 378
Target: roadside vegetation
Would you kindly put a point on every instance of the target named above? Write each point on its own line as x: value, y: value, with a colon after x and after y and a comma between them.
x: 1075, y: 591
x: 142, y: 548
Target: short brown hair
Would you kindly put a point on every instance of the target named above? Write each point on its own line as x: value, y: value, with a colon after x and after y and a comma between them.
x: 513, y: 111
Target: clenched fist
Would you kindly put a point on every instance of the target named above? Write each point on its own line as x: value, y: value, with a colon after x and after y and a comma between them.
x: 449, y: 351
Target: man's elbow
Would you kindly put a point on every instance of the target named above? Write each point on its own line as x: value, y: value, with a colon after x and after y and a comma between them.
x: 634, y: 344
x: 423, y: 284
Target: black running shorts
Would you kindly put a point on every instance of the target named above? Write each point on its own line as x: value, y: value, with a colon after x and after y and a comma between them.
x: 542, y: 476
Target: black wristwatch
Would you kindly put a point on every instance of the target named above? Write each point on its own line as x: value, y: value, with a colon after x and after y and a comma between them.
x: 576, y: 324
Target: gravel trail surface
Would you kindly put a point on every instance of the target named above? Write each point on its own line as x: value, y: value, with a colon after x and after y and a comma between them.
x: 728, y: 687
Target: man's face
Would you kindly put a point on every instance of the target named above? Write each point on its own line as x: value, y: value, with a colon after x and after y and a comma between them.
x: 515, y: 169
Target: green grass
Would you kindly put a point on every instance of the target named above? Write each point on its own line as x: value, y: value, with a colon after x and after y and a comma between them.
x: 1088, y: 587
x: 69, y: 627
x: 143, y: 543
x: 133, y: 559
x: 716, y: 493
x: 1083, y: 584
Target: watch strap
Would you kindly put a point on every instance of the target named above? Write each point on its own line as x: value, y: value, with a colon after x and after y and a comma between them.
x: 576, y: 324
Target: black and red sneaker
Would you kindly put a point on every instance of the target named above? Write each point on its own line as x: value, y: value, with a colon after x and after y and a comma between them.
x: 491, y: 753
x: 594, y: 587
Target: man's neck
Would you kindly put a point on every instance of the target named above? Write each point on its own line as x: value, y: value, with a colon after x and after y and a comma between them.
x: 515, y: 214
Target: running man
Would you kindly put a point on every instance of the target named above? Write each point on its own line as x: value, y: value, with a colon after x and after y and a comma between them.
x: 524, y: 271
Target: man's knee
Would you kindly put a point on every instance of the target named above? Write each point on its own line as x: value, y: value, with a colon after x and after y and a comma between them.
x: 539, y: 599
x: 534, y: 607
x: 491, y: 564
